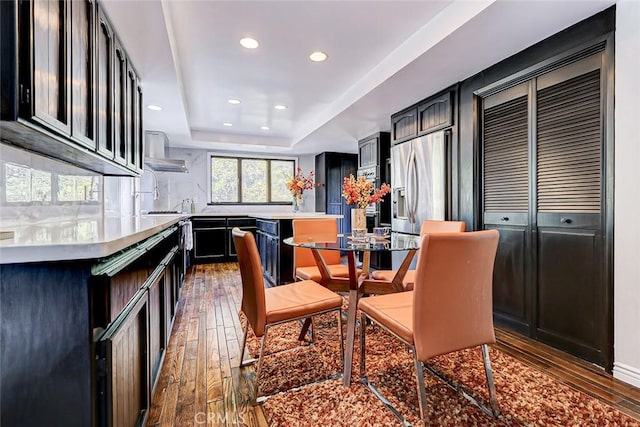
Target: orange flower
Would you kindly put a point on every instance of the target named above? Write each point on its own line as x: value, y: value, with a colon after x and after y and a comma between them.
x: 359, y: 191
x: 299, y: 183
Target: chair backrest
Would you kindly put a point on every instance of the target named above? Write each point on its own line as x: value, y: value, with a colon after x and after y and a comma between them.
x: 319, y: 229
x: 434, y: 226
x: 253, y: 303
x: 452, y: 300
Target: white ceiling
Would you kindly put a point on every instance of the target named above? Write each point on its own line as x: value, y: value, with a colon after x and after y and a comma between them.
x: 383, y: 56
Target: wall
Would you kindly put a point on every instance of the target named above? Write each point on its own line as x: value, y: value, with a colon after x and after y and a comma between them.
x: 627, y: 194
x: 176, y: 187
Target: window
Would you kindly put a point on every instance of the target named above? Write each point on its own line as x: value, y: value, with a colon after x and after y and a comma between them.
x: 250, y: 180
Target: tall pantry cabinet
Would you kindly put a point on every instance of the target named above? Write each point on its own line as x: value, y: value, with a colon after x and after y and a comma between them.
x: 331, y: 168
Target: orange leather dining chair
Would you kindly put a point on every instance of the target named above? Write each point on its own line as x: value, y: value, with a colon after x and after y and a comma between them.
x: 264, y: 308
x: 427, y: 226
x: 449, y: 310
x: 305, y: 266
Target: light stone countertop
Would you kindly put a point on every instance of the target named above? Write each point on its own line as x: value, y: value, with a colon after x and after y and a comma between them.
x: 291, y: 215
x: 86, y: 238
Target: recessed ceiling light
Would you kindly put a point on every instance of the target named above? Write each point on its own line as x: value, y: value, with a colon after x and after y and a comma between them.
x: 280, y: 107
x: 249, y: 43
x: 228, y: 124
x: 154, y: 107
x: 318, y: 56
x: 264, y: 127
x: 233, y: 101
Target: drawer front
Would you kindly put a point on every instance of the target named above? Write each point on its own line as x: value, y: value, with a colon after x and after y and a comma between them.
x: 209, y: 223
x: 241, y: 222
x: 270, y: 227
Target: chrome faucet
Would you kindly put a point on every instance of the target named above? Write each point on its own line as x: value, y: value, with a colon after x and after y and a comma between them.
x: 155, y: 192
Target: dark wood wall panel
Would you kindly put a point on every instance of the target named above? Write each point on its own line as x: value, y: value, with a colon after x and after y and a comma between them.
x: 569, y: 145
x: 44, y: 345
x: 506, y: 167
x: 156, y: 327
x: 129, y: 390
x: 122, y: 288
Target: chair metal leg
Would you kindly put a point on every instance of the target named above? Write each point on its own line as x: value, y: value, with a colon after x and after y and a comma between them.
x: 492, y: 388
x: 422, y: 391
x: 244, y: 343
x: 341, y: 338
x: 363, y: 323
x: 305, y: 328
x: 312, y: 330
x: 259, y: 367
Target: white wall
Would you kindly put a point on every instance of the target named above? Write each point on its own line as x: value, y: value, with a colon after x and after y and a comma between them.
x: 627, y: 194
x: 175, y: 187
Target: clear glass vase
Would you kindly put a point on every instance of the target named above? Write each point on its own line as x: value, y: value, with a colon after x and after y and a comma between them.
x: 297, y: 202
x: 358, y: 219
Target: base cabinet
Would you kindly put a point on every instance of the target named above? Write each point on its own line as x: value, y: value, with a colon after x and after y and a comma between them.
x: 212, y: 239
x: 275, y: 255
x: 100, y: 329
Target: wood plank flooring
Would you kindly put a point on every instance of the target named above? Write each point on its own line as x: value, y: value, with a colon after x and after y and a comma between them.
x: 201, y: 384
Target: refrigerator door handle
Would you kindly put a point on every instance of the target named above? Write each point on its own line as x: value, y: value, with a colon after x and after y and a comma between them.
x: 408, y: 204
x: 414, y: 188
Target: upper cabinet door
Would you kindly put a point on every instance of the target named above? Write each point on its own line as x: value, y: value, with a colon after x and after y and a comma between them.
x: 120, y: 122
x: 49, y: 73
x: 133, y: 119
x: 104, y: 94
x: 82, y: 72
x: 404, y: 125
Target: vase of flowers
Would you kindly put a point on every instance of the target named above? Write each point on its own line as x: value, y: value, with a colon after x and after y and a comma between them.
x: 361, y: 192
x: 297, y: 185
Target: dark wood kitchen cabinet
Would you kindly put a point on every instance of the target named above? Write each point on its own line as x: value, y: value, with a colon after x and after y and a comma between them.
x: 275, y: 255
x: 65, y: 89
x: 404, y: 125
x: 374, y: 154
x: 100, y: 327
x: 331, y: 169
x: 543, y: 188
x: 120, y: 101
x: 212, y: 240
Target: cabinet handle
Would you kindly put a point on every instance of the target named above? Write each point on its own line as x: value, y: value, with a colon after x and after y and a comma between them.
x: 504, y: 218
x: 566, y: 220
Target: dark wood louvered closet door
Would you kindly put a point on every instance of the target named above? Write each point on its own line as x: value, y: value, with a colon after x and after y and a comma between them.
x: 571, y: 292
x: 506, y: 201
x: 542, y: 188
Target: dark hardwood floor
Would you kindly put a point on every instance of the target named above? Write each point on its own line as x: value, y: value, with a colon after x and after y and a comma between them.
x: 201, y: 383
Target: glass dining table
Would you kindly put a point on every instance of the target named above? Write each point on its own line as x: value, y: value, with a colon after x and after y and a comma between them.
x: 356, y: 284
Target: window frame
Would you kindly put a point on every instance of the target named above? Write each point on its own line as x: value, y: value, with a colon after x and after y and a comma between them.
x: 239, y: 159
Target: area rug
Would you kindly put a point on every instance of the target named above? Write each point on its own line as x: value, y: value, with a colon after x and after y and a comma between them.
x: 526, y: 396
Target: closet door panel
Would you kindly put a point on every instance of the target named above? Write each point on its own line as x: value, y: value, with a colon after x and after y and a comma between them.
x: 571, y: 288
x: 506, y: 176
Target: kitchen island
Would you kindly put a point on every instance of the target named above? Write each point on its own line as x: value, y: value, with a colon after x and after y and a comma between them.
x: 277, y: 257
x: 86, y: 309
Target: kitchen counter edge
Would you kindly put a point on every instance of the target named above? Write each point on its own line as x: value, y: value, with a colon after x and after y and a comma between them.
x: 109, y: 241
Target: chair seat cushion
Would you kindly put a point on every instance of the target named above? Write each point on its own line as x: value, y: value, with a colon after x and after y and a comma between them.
x: 392, y: 311
x: 313, y: 272
x: 388, y: 275
x: 298, y: 299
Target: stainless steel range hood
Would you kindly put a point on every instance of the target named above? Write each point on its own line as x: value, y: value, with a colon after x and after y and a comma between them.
x: 156, y: 144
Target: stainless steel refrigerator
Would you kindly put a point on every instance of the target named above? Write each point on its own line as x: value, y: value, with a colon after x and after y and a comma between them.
x: 418, y: 184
